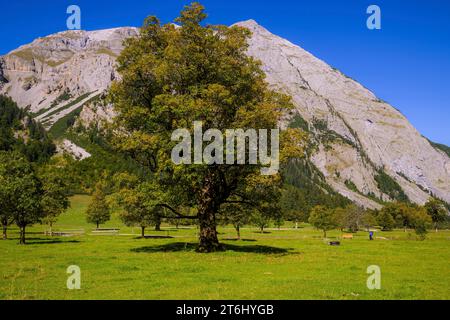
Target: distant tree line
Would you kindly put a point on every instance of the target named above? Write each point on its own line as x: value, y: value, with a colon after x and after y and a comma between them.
x: 18, y: 132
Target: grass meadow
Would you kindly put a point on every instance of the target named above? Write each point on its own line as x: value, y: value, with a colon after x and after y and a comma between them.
x: 279, y: 264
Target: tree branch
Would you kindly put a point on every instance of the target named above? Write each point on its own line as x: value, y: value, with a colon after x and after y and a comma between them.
x: 179, y: 215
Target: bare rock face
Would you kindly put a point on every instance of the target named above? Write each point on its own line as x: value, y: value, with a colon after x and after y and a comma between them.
x: 357, y: 135
x: 374, y: 135
x: 57, y: 70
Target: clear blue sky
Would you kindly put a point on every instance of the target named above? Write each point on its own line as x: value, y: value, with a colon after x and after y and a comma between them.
x: 406, y: 63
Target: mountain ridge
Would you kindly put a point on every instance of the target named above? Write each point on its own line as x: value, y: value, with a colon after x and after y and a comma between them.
x: 358, y: 140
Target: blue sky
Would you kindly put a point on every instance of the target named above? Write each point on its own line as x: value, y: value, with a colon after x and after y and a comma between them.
x: 406, y: 63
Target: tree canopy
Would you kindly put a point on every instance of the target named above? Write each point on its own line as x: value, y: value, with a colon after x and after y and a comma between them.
x: 20, y: 191
x: 18, y: 132
x: 172, y: 76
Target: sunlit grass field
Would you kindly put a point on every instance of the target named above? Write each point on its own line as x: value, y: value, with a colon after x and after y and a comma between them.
x: 279, y: 264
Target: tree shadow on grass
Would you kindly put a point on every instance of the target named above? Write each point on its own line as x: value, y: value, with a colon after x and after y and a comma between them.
x: 154, y: 237
x: 235, y: 239
x: 184, y: 246
x: 49, y: 241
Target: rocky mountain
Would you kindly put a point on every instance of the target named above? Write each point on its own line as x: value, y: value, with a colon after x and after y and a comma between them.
x: 55, y: 75
x: 364, y: 148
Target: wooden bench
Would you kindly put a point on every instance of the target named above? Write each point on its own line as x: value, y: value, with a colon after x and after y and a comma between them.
x: 65, y: 233
x: 347, y: 236
x: 106, y: 231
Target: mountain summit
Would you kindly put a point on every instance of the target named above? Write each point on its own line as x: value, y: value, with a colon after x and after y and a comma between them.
x: 364, y: 148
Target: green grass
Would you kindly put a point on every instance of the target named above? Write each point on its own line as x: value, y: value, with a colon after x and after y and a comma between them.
x: 28, y: 55
x: 106, y: 51
x: 280, y: 264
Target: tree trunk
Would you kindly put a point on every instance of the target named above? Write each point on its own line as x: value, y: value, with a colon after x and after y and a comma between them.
x: 208, y: 233
x: 51, y: 229
x: 324, y: 233
x: 158, y: 224
x: 238, y: 231
x: 143, y: 232
x: 208, y: 206
x: 22, y: 235
x: 261, y: 229
x: 97, y: 225
x: 296, y: 225
x: 5, y: 227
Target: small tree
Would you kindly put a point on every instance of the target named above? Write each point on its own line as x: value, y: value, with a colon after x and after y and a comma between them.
x: 278, y: 221
x: 236, y: 215
x: 437, y: 211
x: 368, y: 220
x: 322, y: 218
x: 141, y: 206
x: 55, y: 193
x: 98, y: 211
x: 421, y: 221
x: 385, y: 220
x: 340, y: 218
x: 349, y: 217
x: 20, y: 192
x: 6, y: 217
x: 261, y: 220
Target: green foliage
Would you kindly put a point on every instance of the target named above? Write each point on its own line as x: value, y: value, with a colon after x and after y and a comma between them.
x: 70, y: 104
x: 436, y: 210
x: 420, y: 221
x: 312, y: 190
x: 139, y: 201
x: 172, y: 76
x: 260, y: 220
x: 327, y: 136
x: 98, y: 211
x: 369, y: 219
x: 322, y: 218
x: 405, y: 215
x: 103, y: 164
x: 66, y: 95
x: 19, y: 132
x: 294, y: 204
x: 54, y: 199
x: 298, y: 122
x: 349, y: 217
x: 401, y: 213
x: 351, y: 186
x: 235, y: 214
x: 20, y: 191
x: 63, y: 124
x: 385, y: 220
x: 389, y: 186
